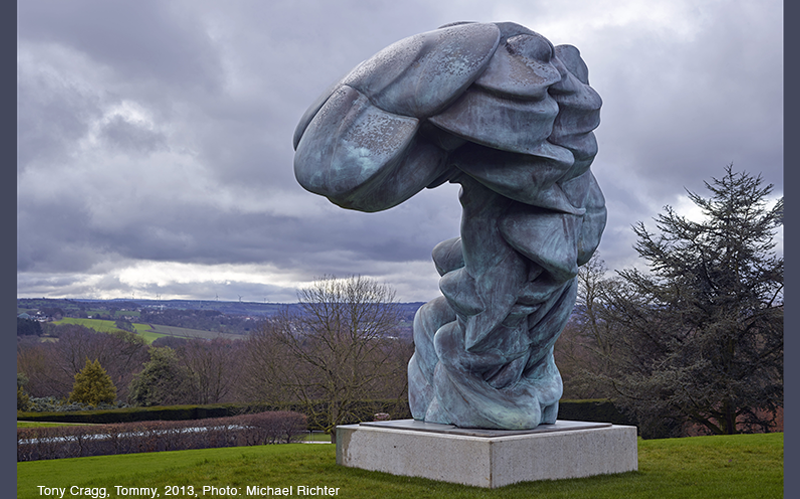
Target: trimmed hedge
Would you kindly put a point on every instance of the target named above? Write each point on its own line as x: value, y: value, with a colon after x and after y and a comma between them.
x: 600, y: 410
x: 363, y: 410
x: 156, y: 436
x: 133, y: 414
x: 597, y: 410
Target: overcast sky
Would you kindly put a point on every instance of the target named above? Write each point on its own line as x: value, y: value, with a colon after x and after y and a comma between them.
x: 154, y: 138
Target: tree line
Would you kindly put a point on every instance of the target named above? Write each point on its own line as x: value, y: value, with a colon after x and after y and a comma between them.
x: 693, y: 339
x: 338, y: 348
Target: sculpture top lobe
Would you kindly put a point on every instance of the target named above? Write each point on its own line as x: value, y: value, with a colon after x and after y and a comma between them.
x: 496, y: 108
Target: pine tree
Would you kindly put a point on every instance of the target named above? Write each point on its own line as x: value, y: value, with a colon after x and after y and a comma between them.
x: 93, y: 385
x: 703, y: 329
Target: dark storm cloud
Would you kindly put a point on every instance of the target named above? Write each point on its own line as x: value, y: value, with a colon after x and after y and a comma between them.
x: 199, y: 234
x: 161, y: 132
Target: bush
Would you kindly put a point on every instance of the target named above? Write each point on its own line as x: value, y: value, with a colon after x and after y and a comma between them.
x: 163, y: 381
x: 54, y: 408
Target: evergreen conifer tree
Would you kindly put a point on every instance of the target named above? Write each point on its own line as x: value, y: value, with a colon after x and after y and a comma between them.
x: 93, y: 385
x: 701, y: 333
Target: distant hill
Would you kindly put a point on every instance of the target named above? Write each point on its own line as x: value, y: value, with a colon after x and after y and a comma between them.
x: 225, y: 317
x: 117, y: 307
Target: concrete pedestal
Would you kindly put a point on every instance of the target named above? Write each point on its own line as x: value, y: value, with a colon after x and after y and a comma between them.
x: 488, y: 458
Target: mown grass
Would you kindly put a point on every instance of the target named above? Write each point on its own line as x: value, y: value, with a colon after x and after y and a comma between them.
x: 746, y: 466
x: 318, y: 437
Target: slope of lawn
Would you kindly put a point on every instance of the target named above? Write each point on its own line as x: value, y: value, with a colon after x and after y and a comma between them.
x: 748, y: 466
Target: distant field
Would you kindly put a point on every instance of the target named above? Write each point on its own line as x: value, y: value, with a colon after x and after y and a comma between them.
x: 147, y: 334
x: 147, y: 331
x: 150, y: 332
x: 104, y: 326
x: 192, y: 333
x: 117, y: 313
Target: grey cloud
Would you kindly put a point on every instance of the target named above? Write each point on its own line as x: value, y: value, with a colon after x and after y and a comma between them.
x: 132, y: 138
x: 686, y: 108
x: 144, y: 40
x: 52, y: 115
x: 223, y: 86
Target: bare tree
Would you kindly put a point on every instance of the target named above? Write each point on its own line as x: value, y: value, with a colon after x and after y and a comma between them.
x: 339, y: 348
x: 585, y: 352
x: 264, y: 361
x: 51, y: 366
x: 212, y: 369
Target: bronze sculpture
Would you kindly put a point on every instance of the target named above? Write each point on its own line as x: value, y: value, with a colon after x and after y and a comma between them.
x: 496, y: 108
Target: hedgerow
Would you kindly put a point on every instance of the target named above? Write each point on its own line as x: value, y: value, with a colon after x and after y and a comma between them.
x: 155, y: 436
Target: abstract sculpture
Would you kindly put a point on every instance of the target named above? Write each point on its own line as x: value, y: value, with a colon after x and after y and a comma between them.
x: 496, y: 108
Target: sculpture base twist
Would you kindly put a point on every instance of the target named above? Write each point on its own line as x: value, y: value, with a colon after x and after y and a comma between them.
x: 488, y: 458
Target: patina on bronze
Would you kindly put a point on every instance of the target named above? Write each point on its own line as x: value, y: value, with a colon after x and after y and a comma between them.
x: 497, y: 109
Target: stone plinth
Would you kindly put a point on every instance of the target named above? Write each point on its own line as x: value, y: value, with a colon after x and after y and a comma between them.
x: 488, y: 458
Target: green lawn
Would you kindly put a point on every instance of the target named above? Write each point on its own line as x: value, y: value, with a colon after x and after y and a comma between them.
x: 318, y: 437
x: 742, y: 466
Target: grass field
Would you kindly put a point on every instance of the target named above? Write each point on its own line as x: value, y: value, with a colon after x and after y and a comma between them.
x: 192, y: 333
x: 742, y: 466
x: 106, y: 326
x: 147, y: 331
